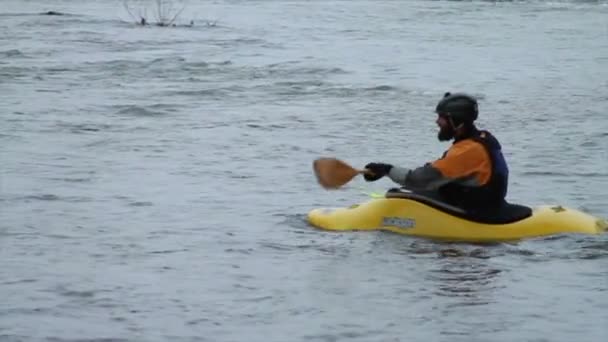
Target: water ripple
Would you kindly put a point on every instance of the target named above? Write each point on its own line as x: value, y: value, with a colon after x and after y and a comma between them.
x: 12, y: 53
x: 135, y: 110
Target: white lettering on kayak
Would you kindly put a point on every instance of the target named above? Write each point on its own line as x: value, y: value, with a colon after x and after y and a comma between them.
x: 399, y: 222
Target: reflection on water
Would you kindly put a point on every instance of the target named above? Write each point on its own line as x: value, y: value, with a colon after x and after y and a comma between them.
x: 465, y: 288
x: 467, y: 279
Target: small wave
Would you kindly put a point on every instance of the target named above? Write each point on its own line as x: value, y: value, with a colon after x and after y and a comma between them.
x: 298, y: 221
x: 10, y: 136
x: 227, y: 62
x: 198, y: 321
x: 300, y: 84
x: 593, y: 250
x: 89, y: 37
x: 84, y: 127
x: 134, y: 110
x: 202, y: 92
x: 53, y: 13
x: 256, y: 299
x: 92, y: 339
x: 249, y: 40
x: 467, y: 281
x: 568, y: 247
x: 20, y: 281
x: 11, y: 72
x: 197, y: 65
x: 277, y: 246
x: 12, y: 53
x: 287, y: 71
x: 270, y: 127
x: 382, y: 88
x: 358, y: 92
x: 168, y: 251
x: 454, y: 252
x: 122, y: 67
x: 208, y: 66
x: 324, y: 71
x: 55, y: 91
x: 237, y: 41
x: 167, y: 107
x: 15, y: 14
x: 56, y: 70
x: 166, y: 59
x: 212, y: 92
x: 589, y: 144
x: 61, y: 21
x: 141, y: 204
x: 246, y: 251
x: 79, y: 294
x: 309, y: 71
x: 316, y: 87
x: 356, y: 333
x: 42, y: 197
x: 66, y: 291
x: 99, y: 142
x: 567, y: 5
x: 72, y: 180
x: 30, y: 14
x: 564, y: 174
x: 119, y: 63
x: 53, y: 198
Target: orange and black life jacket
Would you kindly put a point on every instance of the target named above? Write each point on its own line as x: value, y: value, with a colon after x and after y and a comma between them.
x: 486, y: 171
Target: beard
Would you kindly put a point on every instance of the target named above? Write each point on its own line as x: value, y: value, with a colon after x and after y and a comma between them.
x: 445, y: 134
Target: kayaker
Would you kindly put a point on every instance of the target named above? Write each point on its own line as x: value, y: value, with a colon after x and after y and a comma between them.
x: 472, y: 174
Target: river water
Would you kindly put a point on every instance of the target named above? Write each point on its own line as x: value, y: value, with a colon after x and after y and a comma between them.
x: 155, y: 180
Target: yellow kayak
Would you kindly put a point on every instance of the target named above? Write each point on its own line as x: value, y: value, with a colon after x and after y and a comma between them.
x: 411, y: 214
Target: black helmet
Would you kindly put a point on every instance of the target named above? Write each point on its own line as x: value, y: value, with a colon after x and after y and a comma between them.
x: 459, y: 106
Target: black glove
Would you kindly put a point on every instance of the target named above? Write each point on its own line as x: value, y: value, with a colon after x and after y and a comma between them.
x: 378, y: 170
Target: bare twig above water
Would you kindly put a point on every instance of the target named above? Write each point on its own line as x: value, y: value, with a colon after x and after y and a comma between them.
x: 140, y: 16
x: 165, y: 12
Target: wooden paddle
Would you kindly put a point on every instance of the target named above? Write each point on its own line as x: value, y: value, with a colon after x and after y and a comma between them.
x: 333, y: 173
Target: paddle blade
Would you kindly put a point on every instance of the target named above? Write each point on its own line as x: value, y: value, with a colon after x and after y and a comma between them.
x: 333, y: 173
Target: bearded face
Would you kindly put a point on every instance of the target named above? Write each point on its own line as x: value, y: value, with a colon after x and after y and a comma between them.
x: 446, y: 131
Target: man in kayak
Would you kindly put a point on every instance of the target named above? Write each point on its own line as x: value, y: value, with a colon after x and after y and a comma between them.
x: 472, y: 174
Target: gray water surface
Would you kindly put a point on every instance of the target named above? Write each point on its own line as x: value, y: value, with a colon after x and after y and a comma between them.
x: 155, y: 181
